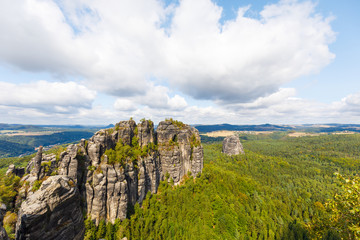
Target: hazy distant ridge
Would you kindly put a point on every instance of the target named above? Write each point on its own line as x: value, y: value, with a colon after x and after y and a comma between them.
x: 333, y: 127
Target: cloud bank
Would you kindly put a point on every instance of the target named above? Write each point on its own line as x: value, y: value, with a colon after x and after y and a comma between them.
x: 52, y: 96
x: 151, y: 56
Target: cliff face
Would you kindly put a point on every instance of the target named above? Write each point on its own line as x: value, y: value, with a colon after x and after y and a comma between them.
x: 52, y: 212
x: 180, y: 150
x: 116, y: 167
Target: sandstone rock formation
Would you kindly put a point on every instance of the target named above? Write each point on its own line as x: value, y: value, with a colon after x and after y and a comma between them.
x: 110, y: 188
x: 232, y: 146
x: 52, y: 212
x: 35, y: 171
x: 180, y: 150
x: 111, y: 171
x: 3, y: 234
x: 16, y: 171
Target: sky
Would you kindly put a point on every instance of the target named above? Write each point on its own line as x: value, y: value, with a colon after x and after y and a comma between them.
x: 94, y: 62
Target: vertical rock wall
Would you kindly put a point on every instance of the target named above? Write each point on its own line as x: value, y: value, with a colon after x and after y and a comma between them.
x: 179, y: 149
x: 52, y: 212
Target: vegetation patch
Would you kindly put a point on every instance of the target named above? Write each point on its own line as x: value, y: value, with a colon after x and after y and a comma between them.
x: 71, y: 183
x: 193, y: 143
x: 177, y: 123
x: 124, y: 153
x: 46, y: 166
x: 9, y: 223
x: 9, y: 186
x: 36, y: 185
x: 91, y: 168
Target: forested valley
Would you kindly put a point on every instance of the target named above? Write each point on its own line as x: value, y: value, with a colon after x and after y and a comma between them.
x: 281, y: 188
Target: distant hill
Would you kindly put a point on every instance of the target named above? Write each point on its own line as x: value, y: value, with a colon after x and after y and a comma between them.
x: 333, y: 127
x: 12, y: 146
x: 5, y: 126
x: 229, y: 127
x: 12, y: 149
x: 17, y: 139
x: 75, y: 126
x: 26, y: 127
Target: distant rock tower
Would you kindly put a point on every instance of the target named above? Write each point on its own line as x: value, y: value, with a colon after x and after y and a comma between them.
x: 232, y: 146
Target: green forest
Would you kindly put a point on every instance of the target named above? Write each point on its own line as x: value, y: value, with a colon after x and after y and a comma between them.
x: 281, y: 188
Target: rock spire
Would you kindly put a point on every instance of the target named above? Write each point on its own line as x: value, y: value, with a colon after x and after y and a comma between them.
x: 232, y: 145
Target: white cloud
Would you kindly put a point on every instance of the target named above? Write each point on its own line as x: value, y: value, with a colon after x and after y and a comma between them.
x: 246, y: 58
x: 157, y: 97
x: 352, y: 100
x: 276, y: 98
x: 282, y: 108
x: 36, y: 38
x: 120, y: 46
x: 50, y: 96
x: 177, y: 102
x: 122, y: 104
x: 348, y: 105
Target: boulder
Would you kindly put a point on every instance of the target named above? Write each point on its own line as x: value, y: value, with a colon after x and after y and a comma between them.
x: 232, y: 146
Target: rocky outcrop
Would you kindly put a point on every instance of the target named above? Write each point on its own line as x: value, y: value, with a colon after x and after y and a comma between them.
x: 16, y: 171
x: 3, y: 234
x: 111, y: 188
x: 232, y: 146
x: 35, y: 171
x: 180, y: 150
x: 111, y: 171
x: 52, y: 212
x: 146, y: 133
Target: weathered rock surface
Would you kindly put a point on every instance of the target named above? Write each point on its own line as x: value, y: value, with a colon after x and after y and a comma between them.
x: 106, y: 190
x: 52, y: 212
x: 146, y: 133
x: 110, y: 188
x: 35, y: 171
x: 3, y: 234
x: 180, y: 150
x: 16, y: 171
x: 232, y: 146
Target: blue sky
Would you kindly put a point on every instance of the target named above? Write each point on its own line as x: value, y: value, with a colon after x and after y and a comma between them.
x: 202, y: 62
